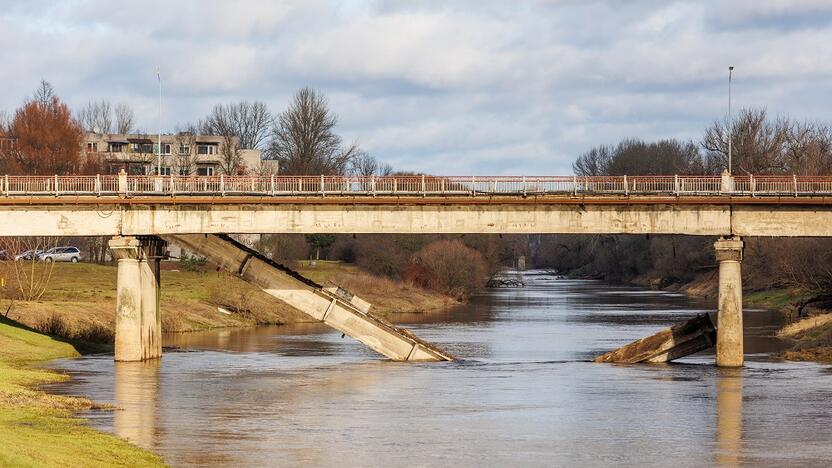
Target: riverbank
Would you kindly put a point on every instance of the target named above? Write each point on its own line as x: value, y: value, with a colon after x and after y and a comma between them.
x: 80, y: 300
x: 39, y: 429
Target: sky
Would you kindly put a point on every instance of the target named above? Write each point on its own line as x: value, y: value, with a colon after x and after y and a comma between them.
x: 473, y: 87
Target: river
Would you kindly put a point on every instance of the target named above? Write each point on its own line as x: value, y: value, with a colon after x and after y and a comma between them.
x: 523, y: 392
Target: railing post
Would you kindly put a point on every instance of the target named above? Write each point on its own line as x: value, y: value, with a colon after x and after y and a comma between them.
x: 172, y: 184
x: 395, y: 185
x: 322, y: 186
x: 272, y: 185
x: 97, y: 187
x: 676, y: 184
x: 626, y: 186
x: 442, y: 184
x: 253, y: 185
x: 56, y: 185
x: 423, y: 186
x: 575, y: 186
x: 794, y: 179
x: 222, y: 185
x: 524, y: 185
x: 122, y: 182
x: 473, y: 186
x: 494, y: 186
x: 537, y: 185
x: 373, y: 184
x: 726, y: 182
x: 300, y: 184
x: 751, y: 184
x: 6, y: 184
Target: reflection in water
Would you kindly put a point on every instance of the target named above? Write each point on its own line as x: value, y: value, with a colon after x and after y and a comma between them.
x: 524, y: 392
x: 137, y: 397
x: 729, y: 417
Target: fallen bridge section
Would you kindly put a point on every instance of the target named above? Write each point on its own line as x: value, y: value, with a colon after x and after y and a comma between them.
x: 681, y: 340
x: 346, y: 314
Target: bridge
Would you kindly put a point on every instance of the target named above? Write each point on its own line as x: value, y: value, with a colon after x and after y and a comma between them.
x: 142, y: 212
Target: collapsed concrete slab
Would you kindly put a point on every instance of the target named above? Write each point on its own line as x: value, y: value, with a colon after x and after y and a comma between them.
x: 332, y: 306
x: 678, y: 341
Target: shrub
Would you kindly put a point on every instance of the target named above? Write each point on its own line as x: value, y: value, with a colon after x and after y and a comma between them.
x: 451, y: 267
x: 191, y: 262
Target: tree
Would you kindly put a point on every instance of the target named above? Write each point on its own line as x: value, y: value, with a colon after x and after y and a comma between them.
x: 30, y: 276
x: 637, y: 157
x: 185, y: 150
x: 319, y: 241
x: 96, y: 117
x: 365, y: 165
x: 248, y: 121
x: 47, y: 139
x: 125, y: 120
x: 303, y: 138
x: 757, y: 143
x: 44, y: 93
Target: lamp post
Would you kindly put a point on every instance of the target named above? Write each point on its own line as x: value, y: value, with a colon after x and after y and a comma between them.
x: 730, y: 121
x: 159, y: 142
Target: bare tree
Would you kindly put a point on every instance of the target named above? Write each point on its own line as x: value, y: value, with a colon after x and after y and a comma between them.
x: 31, y: 277
x: 44, y: 93
x: 185, y: 150
x: 758, y: 144
x: 96, y: 117
x: 125, y: 119
x: 248, y: 121
x: 594, y: 162
x: 231, y: 160
x: 365, y: 165
x: 304, y: 141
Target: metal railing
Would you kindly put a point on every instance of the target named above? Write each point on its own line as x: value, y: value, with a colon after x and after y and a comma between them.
x: 275, y: 186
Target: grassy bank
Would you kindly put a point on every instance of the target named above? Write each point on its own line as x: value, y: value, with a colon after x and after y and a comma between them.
x: 38, y: 429
x: 80, y: 300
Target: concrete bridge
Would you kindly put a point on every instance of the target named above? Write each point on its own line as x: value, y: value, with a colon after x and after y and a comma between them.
x: 189, y: 210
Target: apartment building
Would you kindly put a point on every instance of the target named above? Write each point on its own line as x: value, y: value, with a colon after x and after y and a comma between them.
x: 181, y: 154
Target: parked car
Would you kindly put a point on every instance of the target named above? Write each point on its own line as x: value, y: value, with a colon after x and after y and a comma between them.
x: 28, y: 255
x: 61, y: 254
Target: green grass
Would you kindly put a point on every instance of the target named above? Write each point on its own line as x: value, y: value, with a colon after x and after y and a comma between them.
x: 38, y: 429
x: 773, y: 298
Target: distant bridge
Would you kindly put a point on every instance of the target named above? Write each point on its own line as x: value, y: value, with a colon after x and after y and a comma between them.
x: 177, y: 208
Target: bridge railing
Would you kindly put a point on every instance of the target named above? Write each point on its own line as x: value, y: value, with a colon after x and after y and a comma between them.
x: 414, y: 185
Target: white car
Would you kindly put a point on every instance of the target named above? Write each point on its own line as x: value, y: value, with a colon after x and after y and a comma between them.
x: 61, y: 254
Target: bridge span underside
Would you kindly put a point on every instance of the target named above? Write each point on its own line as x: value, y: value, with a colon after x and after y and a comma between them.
x: 707, y: 216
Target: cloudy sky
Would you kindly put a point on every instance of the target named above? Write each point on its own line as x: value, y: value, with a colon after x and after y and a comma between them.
x: 447, y: 87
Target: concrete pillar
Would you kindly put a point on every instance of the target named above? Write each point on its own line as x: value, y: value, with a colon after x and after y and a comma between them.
x: 729, y: 340
x: 151, y: 320
x: 138, y: 316
x: 128, y: 342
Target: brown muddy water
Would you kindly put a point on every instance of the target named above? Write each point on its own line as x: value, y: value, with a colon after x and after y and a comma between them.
x: 523, y: 393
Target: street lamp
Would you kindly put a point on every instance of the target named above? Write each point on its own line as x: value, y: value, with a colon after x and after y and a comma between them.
x: 730, y: 120
x: 159, y: 142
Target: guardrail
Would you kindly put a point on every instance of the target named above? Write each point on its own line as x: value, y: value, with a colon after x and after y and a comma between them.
x: 420, y: 185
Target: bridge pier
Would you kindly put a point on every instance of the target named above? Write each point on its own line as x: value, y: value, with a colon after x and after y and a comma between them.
x: 729, y: 341
x: 138, y: 316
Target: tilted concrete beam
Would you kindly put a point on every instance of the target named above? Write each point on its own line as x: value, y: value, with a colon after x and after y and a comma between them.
x: 310, y: 298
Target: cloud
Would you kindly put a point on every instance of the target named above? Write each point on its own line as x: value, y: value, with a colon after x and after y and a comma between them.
x: 445, y: 87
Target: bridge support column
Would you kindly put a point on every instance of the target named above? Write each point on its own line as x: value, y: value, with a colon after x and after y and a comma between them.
x: 729, y: 341
x: 138, y: 318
